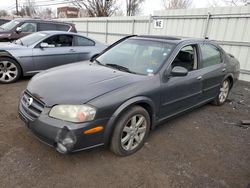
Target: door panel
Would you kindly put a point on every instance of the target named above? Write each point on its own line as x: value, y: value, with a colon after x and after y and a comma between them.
x: 180, y: 93
x: 211, y: 81
x: 45, y: 58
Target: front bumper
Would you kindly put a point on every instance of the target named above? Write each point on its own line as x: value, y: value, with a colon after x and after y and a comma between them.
x: 56, y: 132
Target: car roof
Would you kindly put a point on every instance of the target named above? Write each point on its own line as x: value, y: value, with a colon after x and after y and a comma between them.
x: 42, y: 20
x: 171, y: 39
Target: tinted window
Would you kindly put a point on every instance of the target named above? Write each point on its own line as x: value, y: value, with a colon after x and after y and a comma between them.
x: 29, y: 27
x: 82, y: 41
x: 59, y: 40
x: 62, y: 27
x: 139, y: 56
x: 47, y: 27
x: 210, y: 55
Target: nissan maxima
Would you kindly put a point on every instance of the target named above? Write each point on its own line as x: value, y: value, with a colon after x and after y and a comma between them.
x: 117, y: 97
x: 43, y: 50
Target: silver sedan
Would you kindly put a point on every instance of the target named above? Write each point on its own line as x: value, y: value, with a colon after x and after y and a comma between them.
x: 43, y: 50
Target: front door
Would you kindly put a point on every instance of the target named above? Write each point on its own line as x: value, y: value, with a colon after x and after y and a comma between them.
x: 60, y: 51
x: 180, y: 93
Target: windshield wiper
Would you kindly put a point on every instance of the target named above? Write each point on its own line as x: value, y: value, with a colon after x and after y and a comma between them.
x: 119, y: 67
x: 20, y: 42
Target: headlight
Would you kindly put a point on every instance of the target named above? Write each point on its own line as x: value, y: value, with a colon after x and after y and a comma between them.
x: 73, y: 113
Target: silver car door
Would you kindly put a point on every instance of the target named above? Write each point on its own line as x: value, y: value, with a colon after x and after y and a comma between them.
x: 54, y: 51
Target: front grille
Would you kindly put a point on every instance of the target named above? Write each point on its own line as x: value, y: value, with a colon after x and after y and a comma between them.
x: 31, y: 107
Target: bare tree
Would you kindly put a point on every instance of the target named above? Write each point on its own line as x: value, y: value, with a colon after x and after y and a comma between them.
x: 3, y: 13
x: 176, y: 4
x: 237, y: 2
x: 97, y: 8
x: 133, y: 7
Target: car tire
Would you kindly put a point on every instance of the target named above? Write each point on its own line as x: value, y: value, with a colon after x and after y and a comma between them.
x: 223, y: 93
x: 131, y: 131
x: 10, y: 70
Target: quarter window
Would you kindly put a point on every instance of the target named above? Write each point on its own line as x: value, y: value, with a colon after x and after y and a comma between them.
x: 29, y: 27
x: 211, y: 55
x: 82, y: 41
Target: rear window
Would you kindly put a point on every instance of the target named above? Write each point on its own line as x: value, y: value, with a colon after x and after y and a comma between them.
x: 47, y: 27
x: 62, y: 27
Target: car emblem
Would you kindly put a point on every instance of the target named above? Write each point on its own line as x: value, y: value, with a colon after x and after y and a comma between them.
x: 29, y: 102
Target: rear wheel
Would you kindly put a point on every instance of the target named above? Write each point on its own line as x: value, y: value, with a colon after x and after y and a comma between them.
x: 130, y: 131
x: 223, y: 94
x: 10, y: 70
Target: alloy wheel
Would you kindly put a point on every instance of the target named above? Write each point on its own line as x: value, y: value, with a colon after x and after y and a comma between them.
x: 8, y: 71
x: 133, y: 132
x: 224, y: 90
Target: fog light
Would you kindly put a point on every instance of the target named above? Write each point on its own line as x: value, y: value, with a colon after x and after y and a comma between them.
x: 61, y: 148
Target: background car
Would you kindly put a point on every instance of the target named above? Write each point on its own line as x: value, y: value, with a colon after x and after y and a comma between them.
x: 42, y: 50
x: 134, y: 85
x: 20, y: 27
x: 3, y: 21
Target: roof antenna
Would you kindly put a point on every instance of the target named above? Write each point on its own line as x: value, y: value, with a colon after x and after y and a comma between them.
x: 206, y: 38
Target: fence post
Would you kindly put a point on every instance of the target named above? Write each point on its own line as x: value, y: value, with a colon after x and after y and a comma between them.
x: 87, y: 28
x: 106, y: 33
x: 149, y: 23
x: 206, y: 25
x: 133, y: 27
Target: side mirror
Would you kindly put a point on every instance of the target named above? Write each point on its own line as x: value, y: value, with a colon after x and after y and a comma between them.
x: 179, y: 71
x: 18, y: 30
x: 44, y: 45
x: 93, y: 57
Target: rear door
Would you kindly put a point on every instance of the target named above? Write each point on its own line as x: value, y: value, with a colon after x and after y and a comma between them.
x: 84, y: 47
x: 180, y: 93
x: 59, y: 52
x: 213, y: 70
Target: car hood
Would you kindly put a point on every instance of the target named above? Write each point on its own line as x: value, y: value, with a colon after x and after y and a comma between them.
x: 78, y: 83
x: 10, y: 46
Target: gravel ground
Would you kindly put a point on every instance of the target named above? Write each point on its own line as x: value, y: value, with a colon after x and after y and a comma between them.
x: 204, y: 148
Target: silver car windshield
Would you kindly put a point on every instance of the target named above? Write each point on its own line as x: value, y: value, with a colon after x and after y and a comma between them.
x: 137, y: 56
x: 9, y: 25
x: 31, y: 39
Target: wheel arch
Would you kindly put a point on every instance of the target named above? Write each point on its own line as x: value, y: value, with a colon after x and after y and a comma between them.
x: 230, y: 78
x: 5, y: 54
x: 144, y: 102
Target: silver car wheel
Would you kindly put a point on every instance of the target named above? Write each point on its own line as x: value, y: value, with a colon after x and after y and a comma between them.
x: 133, y: 132
x: 224, y: 90
x: 8, y: 71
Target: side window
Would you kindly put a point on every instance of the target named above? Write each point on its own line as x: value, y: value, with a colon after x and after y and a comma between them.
x: 187, y: 58
x: 62, y: 27
x: 47, y: 27
x: 210, y: 55
x: 59, y: 41
x: 82, y: 41
x: 29, y: 27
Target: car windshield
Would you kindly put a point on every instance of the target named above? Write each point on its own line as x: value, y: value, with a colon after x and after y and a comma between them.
x: 137, y: 56
x: 9, y: 25
x: 31, y: 39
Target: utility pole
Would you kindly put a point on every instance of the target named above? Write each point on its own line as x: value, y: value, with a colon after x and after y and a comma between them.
x: 17, y: 13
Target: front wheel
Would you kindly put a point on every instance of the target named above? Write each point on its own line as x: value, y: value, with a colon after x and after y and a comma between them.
x: 223, y: 94
x: 130, y: 131
x: 10, y: 71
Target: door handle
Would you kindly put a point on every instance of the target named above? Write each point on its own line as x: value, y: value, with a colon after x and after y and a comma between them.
x: 199, y: 78
x: 72, y: 50
x: 224, y: 69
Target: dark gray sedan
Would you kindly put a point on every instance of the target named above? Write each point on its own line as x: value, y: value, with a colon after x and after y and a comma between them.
x: 42, y: 50
x: 134, y: 85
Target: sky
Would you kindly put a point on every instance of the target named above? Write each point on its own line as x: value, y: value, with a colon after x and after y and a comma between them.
x: 147, y: 8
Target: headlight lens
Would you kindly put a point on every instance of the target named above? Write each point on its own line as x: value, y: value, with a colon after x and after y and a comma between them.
x: 73, y: 113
